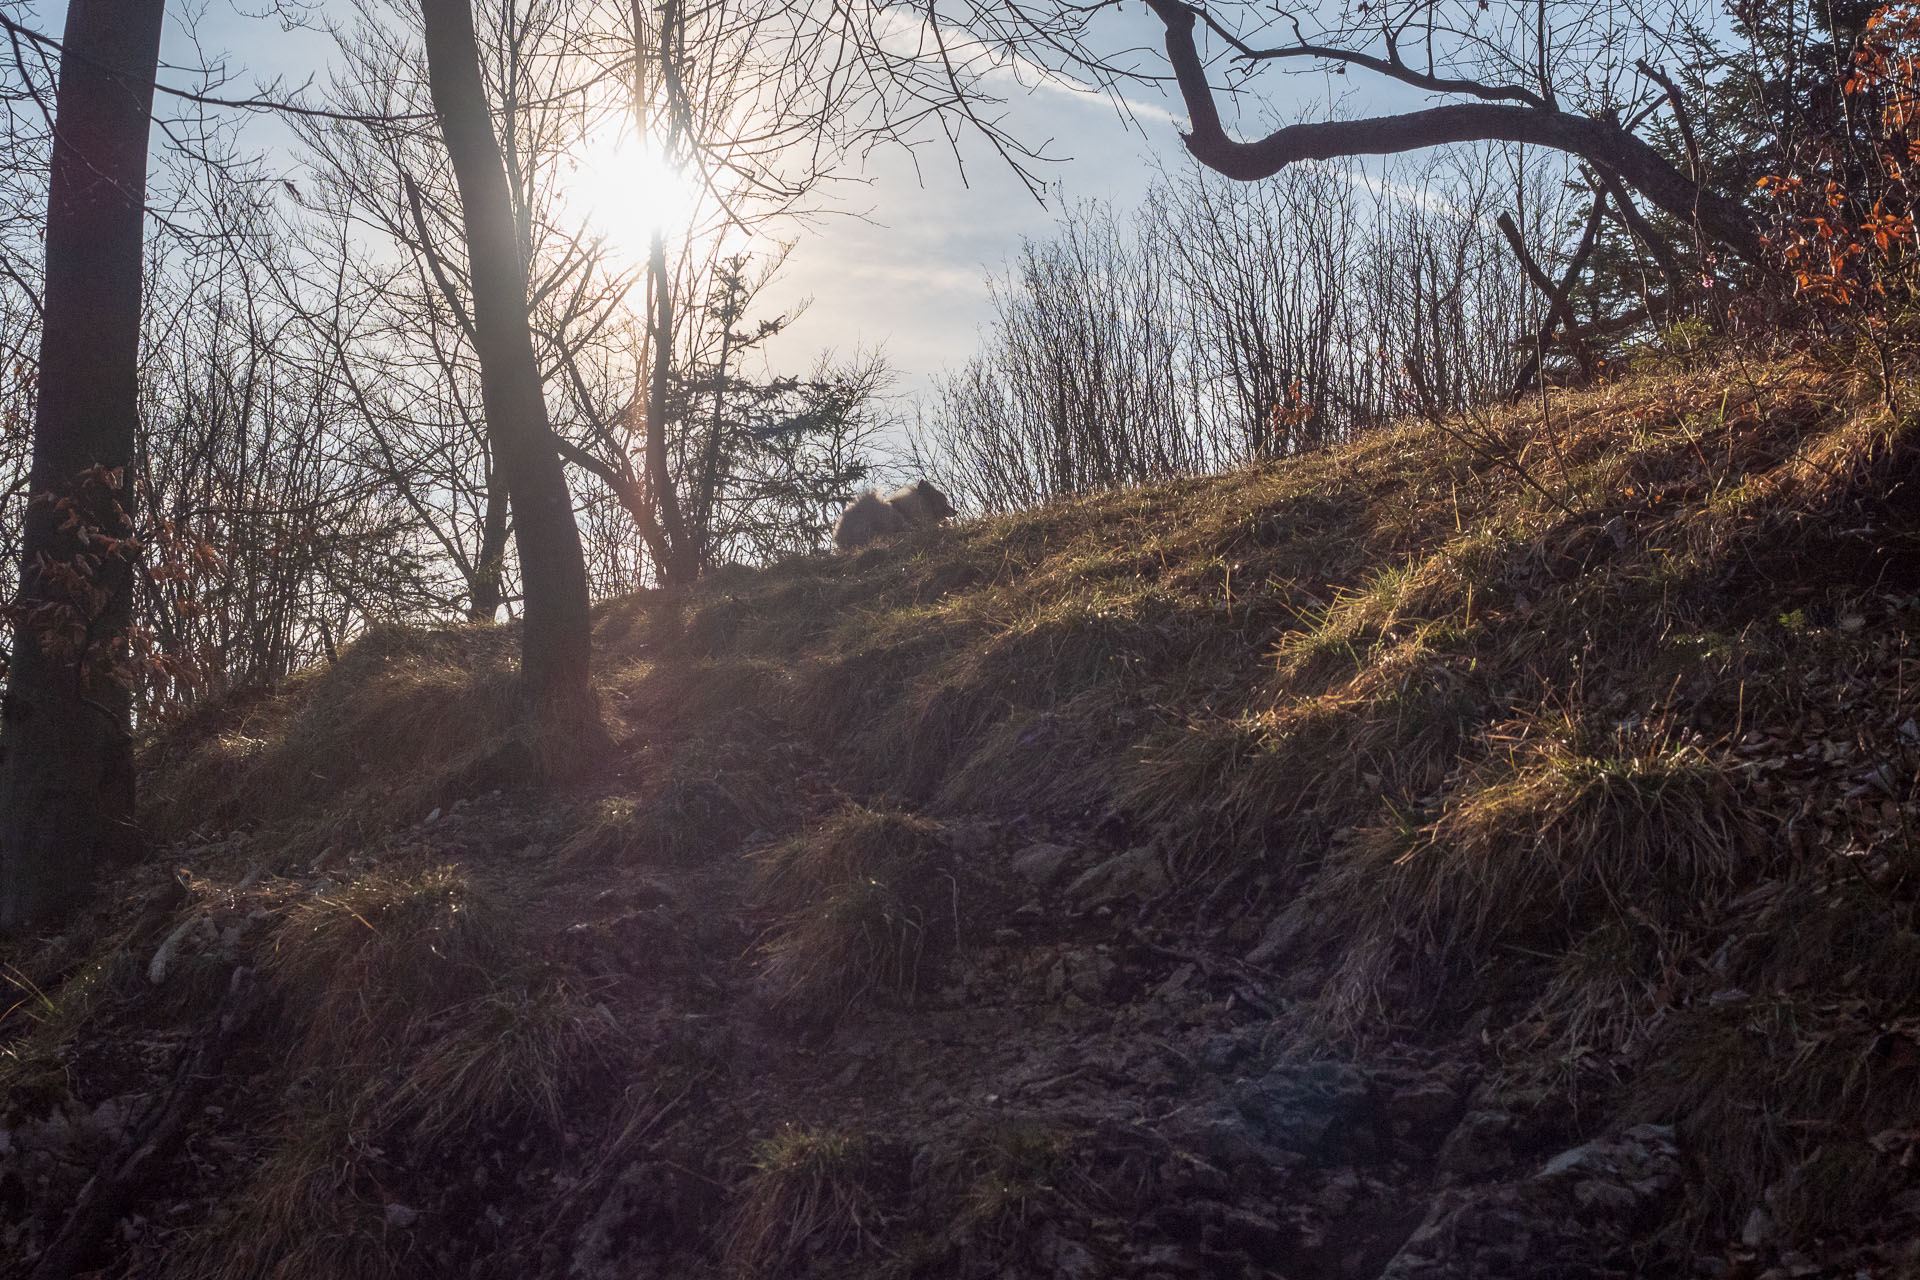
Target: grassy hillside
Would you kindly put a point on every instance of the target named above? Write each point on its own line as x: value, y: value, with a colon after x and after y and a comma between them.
x: 1489, y: 845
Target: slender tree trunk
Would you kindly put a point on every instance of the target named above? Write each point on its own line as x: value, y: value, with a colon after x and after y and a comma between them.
x: 66, y: 750
x: 1559, y: 307
x: 682, y: 563
x: 710, y: 464
x: 674, y: 557
x: 487, y: 589
x: 557, y: 638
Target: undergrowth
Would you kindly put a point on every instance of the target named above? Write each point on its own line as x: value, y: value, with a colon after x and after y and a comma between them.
x: 1606, y: 762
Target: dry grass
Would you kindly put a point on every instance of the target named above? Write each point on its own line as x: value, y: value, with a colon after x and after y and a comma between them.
x: 412, y: 1002
x: 39, y: 1025
x: 1556, y: 846
x: 1012, y: 1173
x: 856, y: 903
x: 1486, y: 738
x: 1271, y: 779
x: 313, y: 1207
x: 366, y: 967
x: 1558, y: 833
x: 411, y: 1017
x: 1782, y: 1094
x: 1601, y: 1003
x: 519, y: 1053
x: 404, y: 723
x: 808, y: 1206
x: 683, y: 812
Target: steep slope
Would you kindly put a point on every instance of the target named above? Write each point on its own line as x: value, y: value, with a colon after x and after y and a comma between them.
x: 1487, y: 848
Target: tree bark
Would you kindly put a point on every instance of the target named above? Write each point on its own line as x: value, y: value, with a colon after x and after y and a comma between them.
x: 682, y: 563
x: 487, y: 590
x: 1559, y: 306
x: 557, y: 636
x: 66, y: 749
x: 1647, y: 234
x: 1604, y: 143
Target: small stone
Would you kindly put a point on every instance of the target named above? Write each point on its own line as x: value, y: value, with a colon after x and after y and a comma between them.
x: 1081, y: 973
x: 1282, y: 934
x: 1584, y: 1159
x: 1170, y: 1257
x: 1243, y: 1229
x: 1758, y: 1230
x: 1176, y: 985
x: 1041, y: 864
x: 1338, y: 1195
x: 398, y: 1215
x: 1139, y: 872
x: 1608, y: 1199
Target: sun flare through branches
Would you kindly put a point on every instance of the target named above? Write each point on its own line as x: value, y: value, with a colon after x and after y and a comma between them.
x: 626, y: 191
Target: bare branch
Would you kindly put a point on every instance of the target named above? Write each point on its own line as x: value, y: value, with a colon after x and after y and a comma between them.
x: 1599, y: 141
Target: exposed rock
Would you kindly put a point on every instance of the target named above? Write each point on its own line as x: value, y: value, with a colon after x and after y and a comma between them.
x: 1314, y: 1108
x: 1082, y: 972
x: 1422, y: 1110
x: 1283, y: 933
x: 1067, y: 1259
x: 1139, y: 872
x: 163, y: 957
x: 1478, y: 1145
x: 1759, y: 1230
x: 1225, y: 1139
x: 1645, y: 1150
x: 1041, y: 864
x: 1230, y: 1048
x: 1581, y: 1215
x: 1338, y: 1193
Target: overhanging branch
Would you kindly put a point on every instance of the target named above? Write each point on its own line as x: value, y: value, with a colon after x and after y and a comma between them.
x: 1392, y: 65
x: 1603, y: 143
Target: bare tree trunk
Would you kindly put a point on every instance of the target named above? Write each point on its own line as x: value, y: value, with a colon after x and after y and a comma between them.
x: 557, y: 640
x: 682, y: 561
x: 1559, y: 308
x: 705, y: 500
x: 66, y: 751
x: 486, y: 589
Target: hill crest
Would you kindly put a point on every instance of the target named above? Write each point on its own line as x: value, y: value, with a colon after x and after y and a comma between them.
x: 1306, y: 870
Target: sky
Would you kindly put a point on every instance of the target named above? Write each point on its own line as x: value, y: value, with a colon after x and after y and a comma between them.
x: 912, y: 275
x: 900, y: 264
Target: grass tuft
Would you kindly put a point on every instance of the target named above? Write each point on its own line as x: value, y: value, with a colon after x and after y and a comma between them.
x: 1558, y: 833
x: 855, y: 902
x: 406, y: 721
x: 1779, y: 1101
x: 313, y: 1207
x: 516, y: 1054
x: 808, y: 1205
x: 1535, y: 853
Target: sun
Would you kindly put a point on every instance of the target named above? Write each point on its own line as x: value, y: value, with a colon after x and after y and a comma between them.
x: 626, y: 191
